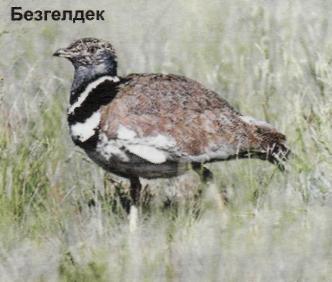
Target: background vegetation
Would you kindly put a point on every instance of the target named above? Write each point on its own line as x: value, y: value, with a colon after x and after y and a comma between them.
x: 270, y: 59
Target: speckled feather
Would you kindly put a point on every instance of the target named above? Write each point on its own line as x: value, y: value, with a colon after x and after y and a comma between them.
x: 195, y: 117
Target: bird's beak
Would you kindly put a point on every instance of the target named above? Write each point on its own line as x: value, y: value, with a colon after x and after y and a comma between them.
x: 62, y: 53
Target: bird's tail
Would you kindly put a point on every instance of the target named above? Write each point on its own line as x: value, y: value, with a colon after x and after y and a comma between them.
x: 269, y: 144
x: 278, y: 154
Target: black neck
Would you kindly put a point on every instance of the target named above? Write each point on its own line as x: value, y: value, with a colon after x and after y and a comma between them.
x: 85, y: 74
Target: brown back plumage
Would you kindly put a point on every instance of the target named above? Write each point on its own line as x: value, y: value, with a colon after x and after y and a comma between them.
x: 195, y: 117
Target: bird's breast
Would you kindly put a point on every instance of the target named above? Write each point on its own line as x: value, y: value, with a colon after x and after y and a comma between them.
x: 84, y: 116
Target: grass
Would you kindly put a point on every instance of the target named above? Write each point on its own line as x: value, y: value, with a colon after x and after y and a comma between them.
x: 270, y: 59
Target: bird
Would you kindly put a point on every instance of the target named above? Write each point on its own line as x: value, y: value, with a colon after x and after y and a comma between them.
x: 154, y: 125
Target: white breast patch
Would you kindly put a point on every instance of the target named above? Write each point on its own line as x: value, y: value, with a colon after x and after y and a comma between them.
x: 82, y: 131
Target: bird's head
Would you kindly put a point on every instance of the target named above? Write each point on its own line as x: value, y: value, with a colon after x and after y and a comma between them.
x: 90, y: 53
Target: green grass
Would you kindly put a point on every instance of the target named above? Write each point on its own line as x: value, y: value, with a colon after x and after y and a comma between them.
x: 270, y: 59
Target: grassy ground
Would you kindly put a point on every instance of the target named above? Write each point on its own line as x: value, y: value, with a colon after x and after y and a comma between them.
x: 270, y: 59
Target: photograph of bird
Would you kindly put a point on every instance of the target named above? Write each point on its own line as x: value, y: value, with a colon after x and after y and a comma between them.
x: 156, y: 125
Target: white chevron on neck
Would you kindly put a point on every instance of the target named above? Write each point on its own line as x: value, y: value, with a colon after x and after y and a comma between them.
x: 88, y: 89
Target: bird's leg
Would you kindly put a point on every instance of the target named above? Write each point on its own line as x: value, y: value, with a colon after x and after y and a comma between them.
x: 135, y: 193
x: 135, y: 190
x: 205, y: 174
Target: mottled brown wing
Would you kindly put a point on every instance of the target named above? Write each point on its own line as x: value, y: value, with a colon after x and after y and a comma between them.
x: 196, y: 118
